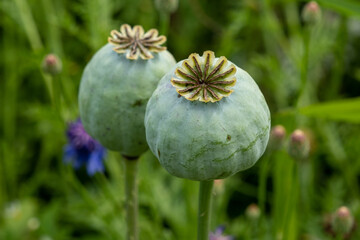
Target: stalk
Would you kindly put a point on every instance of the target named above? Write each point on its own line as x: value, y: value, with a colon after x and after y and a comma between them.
x: 29, y: 24
x: 164, y: 23
x: 305, y: 179
x: 131, y: 192
x: 53, y: 86
x: 205, y: 199
x: 264, y: 171
x: 57, y: 94
x: 10, y: 77
x: 304, y: 69
x: 285, y: 196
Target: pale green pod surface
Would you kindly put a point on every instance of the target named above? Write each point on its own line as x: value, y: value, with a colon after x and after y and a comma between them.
x: 113, y: 94
x: 198, y: 137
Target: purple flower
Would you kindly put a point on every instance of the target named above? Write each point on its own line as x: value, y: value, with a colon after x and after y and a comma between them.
x: 82, y: 149
x: 217, y: 235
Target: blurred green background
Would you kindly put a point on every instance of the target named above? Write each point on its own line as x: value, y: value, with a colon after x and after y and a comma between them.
x: 308, y: 72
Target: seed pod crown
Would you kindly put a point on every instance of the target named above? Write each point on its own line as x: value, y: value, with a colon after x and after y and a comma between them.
x: 203, y: 78
x: 134, y: 42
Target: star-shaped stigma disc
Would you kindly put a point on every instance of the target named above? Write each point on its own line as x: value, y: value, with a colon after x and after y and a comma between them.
x: 203, y: 78
x: 134, y: 42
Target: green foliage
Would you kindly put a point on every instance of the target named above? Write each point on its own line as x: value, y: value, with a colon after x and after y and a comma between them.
x: 344, y: 110
x: 348, y: 7
x: 308, y: 74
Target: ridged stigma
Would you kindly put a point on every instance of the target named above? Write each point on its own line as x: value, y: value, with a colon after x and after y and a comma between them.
x: 135, y: 42
x: 203, y: 79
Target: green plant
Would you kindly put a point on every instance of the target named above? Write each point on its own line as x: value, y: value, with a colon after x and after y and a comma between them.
x: 114, y: 90
x: 116, y: 85
x: 214, y: 137
x: 207, y: 120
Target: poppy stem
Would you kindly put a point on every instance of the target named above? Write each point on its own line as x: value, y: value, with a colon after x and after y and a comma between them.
x: 131, y: 191
x: 205, y: 200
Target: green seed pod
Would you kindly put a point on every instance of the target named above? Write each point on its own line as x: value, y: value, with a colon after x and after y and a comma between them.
x: 207, y: 119
x: 116, y: 85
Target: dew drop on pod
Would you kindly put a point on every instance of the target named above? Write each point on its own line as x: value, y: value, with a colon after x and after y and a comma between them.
x: 207, y: 119
x: 116, y: 85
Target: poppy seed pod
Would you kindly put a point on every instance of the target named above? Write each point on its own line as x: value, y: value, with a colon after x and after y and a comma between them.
x: 207, y: 119
x: 116, y: 85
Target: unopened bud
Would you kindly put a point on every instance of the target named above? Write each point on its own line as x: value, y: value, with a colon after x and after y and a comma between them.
x: 52, y: 64
x: 343, y: 221
x: 277, y: 137
x: 311, y: 13
x: 299, y: 145
x: 253, y: 212
x: 219, y: 186
x: 166, y: 6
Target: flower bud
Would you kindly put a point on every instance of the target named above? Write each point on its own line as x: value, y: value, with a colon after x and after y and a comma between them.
x: 52, y: 64
x: 299, y: 145
x: 253, y: 212
x: 277, y: 137
x: 166, y: 6
x: 219, y: 186
x: 311, y: 13
x: 343, y: 221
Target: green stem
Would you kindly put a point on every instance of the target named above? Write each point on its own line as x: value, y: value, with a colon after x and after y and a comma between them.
x: 264, y: 170
x: 304, y: 97
x: 289, y: 227
x: 56, y: 95
x: 164, y: 23
x: 205, y: 198
x: 29, y: 24
x: 285, y: 192
x: 304, y: 69
x: 305, y: 177
x: 56, y: 92
x: 131, y: 192
x: 10, y: 81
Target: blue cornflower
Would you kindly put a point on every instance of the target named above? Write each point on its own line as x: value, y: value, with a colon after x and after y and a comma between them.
x: 82, y: 149
x: 217, y: 235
